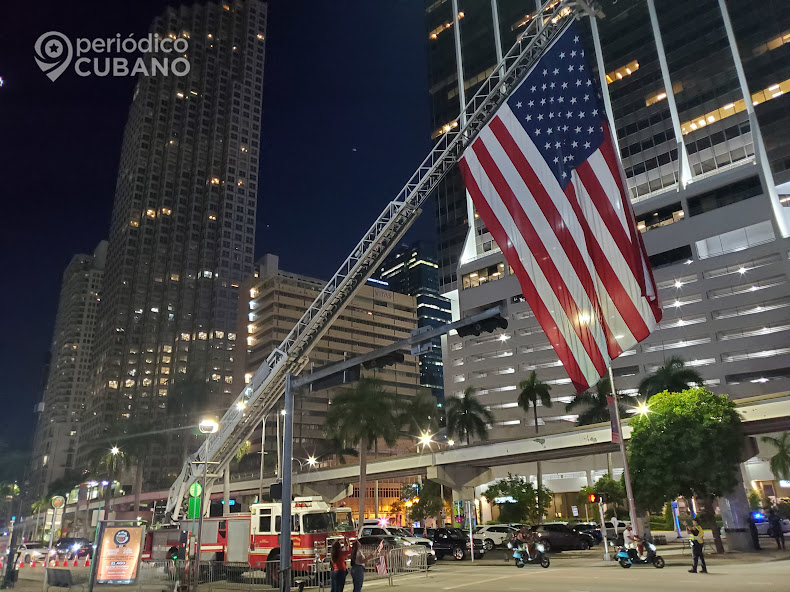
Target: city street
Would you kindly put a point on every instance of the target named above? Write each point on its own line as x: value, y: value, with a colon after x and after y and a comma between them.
x: 574, y: 575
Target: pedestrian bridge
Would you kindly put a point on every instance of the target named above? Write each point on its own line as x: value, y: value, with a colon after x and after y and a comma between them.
x: 467, y: 466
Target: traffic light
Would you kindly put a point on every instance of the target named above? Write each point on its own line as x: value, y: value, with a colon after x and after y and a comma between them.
x: 596, y: 498
x: 484, y: 326
x: 383, y: 361
x: 276, y: 491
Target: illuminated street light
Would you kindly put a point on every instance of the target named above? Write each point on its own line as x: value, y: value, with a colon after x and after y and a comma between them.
x: 208, y: 426
x: 241, y: 405
x: 451, y: 442
x: 642, y: 409
x: 114, y: 450
x: 312, y: 461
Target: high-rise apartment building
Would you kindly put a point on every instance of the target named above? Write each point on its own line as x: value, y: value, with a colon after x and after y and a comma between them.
x: 182, y: 234
x: 702, y: 132
x: 70, y: 370
x: 413, y: 270
x: 375, y: 317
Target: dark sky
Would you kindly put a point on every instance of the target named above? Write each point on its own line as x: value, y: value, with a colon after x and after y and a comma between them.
x: 345, y: 123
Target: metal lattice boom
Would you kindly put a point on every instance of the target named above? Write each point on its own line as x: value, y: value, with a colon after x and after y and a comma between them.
x: 263, y: 392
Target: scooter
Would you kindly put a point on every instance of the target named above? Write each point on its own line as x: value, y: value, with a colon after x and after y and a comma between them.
x: 629, y: 557
x: 522, y: 558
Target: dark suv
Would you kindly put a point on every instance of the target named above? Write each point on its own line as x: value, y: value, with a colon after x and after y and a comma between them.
x: 590, y: 528
x: 71, y: 548
x: 451, y: 541
x: 557, y: 536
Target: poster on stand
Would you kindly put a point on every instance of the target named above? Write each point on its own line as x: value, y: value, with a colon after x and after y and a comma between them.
x: 119, y: 555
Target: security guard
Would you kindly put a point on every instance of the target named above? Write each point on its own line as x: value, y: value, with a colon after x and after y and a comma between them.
x: 697, y: 535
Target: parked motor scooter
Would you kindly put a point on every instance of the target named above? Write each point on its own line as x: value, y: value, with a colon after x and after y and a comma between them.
x: 523, y: 558
x: 628, y: 557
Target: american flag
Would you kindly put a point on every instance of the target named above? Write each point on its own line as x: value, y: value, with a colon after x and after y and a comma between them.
x: 547, y: 183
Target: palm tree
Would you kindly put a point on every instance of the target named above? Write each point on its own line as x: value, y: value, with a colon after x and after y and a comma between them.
x: 532, y: 391
x: 673, y: 376
x: 594, y: 404
x: 419, y: 414
x: 780, y: 462
x: 467, y: 417
x: 108, y: 460
x: 38, y: 506
x: 361, y: 416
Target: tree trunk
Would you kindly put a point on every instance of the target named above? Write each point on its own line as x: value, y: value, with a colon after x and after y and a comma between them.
x: 535, y: 412
x: 138, y: 484
x: 609, y: 464
x: 363, y: 481
x: 709, y: 521
x: 540, y: 485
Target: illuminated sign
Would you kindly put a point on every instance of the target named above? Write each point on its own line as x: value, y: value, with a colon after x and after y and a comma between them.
x: 119, y: 555
x: 507, y: 499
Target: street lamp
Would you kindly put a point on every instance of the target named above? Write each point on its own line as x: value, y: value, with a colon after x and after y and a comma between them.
x: 642, y: 409
x: 206, y: 426
x: 312, y: 461
x: 425, y: 440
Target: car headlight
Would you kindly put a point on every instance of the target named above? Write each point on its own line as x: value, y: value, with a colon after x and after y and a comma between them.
x: 75, y: 546
x: 433, y: 552
x: 509, y: 545
x: 540, y: 547
x: 652, y: 546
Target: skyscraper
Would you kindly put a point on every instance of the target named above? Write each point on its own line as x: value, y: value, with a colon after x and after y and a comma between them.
x: 413, y: 270
x: 182, y: 231
x: 698, y: 100
x: 69, y: 381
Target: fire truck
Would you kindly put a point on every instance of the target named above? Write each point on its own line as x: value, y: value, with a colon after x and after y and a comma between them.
x: 254, y: 537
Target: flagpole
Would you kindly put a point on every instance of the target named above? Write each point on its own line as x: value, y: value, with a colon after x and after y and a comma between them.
x: 628, y: 489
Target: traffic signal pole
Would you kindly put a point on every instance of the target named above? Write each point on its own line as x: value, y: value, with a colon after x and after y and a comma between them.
x: 628, y: 489
x: 603, y: 531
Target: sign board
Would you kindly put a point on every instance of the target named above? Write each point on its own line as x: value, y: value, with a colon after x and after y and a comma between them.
x: 119, y: 555
x: 575, y: 510
x: 613, y: 419
x: 195, y: 489
x: 193, y: 510
x: 58, y: 501
x: 505, y: 499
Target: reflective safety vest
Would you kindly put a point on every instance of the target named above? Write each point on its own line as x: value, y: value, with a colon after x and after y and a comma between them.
x: 699, y: 536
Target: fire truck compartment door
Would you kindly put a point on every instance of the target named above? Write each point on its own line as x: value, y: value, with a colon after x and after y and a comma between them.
x: 238, y: 540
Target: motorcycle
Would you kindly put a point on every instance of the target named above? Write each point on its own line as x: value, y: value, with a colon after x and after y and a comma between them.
x: 628, y: 557
x: 523, y: 558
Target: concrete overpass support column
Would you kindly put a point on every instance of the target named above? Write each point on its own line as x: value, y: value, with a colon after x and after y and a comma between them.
x: 735, y: 506
x: 461, y: 479
x: 330, y: 492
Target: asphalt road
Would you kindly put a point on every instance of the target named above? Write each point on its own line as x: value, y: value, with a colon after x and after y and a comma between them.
x: 575, y: 575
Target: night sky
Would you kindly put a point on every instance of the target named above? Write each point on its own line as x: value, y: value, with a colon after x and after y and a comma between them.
x: 345, y: 123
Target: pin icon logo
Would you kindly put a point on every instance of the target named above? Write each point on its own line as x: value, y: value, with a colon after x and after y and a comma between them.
x: 53, y: 54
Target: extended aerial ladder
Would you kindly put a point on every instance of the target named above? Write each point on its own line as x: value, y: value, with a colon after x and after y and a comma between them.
x: 267, y: 385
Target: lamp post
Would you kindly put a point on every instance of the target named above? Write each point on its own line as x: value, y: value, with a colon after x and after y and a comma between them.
x: 206, y: 426
x: 114, y: 451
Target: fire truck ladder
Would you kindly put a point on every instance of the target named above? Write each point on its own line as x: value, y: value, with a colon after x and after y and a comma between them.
x: 263, y: 392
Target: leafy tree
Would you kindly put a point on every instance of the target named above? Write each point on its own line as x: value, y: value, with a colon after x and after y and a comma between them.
x: 673, y: 376
x: 525, y: 507
x: 337, y: 448
x: 419, y: 414
x: 614, y: 490
x: 426, y: 501
x: 688, y: 444
x: 108, y: 460
x: 780, y: 462
x: 37, y: 507
x: 593, y: 404
x: 467, y: 417
x: 361, y: 416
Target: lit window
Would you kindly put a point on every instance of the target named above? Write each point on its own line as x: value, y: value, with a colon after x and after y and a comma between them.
x: 623, y: 72
x: 247, y: 377
x: 185, y: 336
x: 134, y: 223
x: 441, y: 28
x: 260, y: 36
x: 231, y: 336
x: 202, y: 335
x: 150, y: 213
x: 113, y: 384
x: 215, y: 180
x: 166, y: 211
x: 219, y: 334
x: 250, y: 341
x: 212, y: 216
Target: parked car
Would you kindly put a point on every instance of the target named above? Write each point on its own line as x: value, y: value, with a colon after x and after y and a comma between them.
x: 590, y: 528
x: 448, y: 541
x: 32, y: 551
x: 478, y: 538
x: 372, y: 527
x: 495, y: 534
x: 610, y: 534
x: 71, y: 548
x: 370, y: 545
x: 557, y: 536
x: 763, y: 526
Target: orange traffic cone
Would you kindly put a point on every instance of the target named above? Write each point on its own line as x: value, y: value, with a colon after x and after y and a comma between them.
x: 75, y: 564
x: 22, y: 563
x: 66, y: 562
x: 87, y: 561
x: 33, y: 562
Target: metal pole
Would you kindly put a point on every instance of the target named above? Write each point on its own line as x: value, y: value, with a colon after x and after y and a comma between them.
x: 100, y: 526
x: 263, y: 452
x: 285, y: 536
x: 226, y: 490
x: 200, y: 517
x: 497, y: 36
x: 279, y: 451
x: 628, y: 489
x: 603, y: 531
x: 376, y: 495
x: 471, y: 532
x: 685, y: 173
x: 759, y: 148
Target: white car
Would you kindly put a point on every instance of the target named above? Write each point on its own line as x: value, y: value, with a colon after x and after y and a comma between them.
x: 32, y: 551
x: 762, y: 526
x: 495, y: 534
x: 374, y: 528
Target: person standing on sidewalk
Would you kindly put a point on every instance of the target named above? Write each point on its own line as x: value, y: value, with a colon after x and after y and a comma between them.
x: 753, y: 532
x: 775, y: 526
x: 357, y: 566
x: 697, y: 536
x: 338, y: 578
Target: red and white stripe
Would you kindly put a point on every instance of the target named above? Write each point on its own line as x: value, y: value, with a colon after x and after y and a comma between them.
x: 581, y: 262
